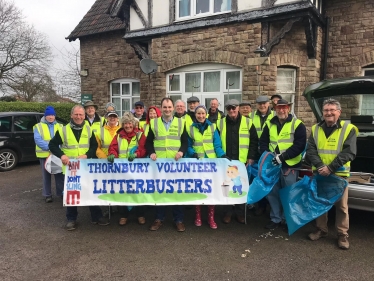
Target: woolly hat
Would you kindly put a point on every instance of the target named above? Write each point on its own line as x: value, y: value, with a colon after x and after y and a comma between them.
x: 49, y: 110
x: 201, y: 106
x: 110, y: 104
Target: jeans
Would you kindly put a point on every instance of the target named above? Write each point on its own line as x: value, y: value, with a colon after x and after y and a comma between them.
x: 276, y: 212
x: 124, y: 211
x: 178, y: 213
x: 72, y: 213
x: 47, y: 188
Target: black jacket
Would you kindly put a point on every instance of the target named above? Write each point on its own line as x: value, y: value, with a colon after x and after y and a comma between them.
x: 213, y: 117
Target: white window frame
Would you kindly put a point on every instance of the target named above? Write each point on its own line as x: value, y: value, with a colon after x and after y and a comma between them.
x: 288, y: 95
x: 130, y: 97
x: 193, y: 11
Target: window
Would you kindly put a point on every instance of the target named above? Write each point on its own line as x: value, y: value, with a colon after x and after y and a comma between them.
x: 6, y: 124
x: 124, y: 94
x: 286, y: 84
x: 367, y: 101
x: 24, y: 123
x: 206, y: 81
x: 187, y: 9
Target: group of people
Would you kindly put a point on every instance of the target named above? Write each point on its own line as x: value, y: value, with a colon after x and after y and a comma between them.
x: 173, y: 132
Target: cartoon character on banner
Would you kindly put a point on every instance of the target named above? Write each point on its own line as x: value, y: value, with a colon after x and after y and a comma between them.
x: 234, y: 177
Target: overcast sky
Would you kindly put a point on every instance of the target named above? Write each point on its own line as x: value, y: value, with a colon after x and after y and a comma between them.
x: 55, y: 18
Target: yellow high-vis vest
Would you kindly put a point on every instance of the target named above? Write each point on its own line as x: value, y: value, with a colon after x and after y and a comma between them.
x: 124, y: 147
x: 105, y: 138
x: 284, y: 139
x: 188, y: 121
x: 329, y: 147
x: 257, y: 121
x: 203, y: 143
x: 244, y: 136
x: 46, y: 136
x: 146, y: 130
x: 167, y: 143
x: 95, y: 127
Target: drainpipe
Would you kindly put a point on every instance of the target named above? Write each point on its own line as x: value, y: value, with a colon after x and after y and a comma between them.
x: 323, y: 76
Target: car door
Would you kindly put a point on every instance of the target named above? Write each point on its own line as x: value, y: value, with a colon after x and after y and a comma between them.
x: 24, y: 136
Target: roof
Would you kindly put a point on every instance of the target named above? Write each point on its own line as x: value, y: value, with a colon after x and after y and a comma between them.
x: 97, y: 20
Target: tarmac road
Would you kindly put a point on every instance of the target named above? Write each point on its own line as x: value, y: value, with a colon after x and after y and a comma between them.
x: 35, y: 246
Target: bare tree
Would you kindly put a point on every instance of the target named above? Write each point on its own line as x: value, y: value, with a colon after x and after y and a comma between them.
x: 22, y: 48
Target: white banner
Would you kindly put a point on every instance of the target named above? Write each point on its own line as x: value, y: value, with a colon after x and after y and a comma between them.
x: 90, y: 182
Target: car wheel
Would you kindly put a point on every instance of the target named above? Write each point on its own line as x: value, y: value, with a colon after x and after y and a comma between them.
x: 8, y: 159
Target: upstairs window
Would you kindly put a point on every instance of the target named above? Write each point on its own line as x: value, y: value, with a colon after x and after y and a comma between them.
x: 286, y: 84
x: 186, y: 9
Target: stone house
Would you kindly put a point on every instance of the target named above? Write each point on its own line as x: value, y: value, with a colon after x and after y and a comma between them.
x: 257, y: 47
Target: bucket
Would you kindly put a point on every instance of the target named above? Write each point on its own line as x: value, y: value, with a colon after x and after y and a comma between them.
x: 225, y: 190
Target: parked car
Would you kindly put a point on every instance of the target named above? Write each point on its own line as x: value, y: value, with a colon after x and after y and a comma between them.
x: 17, y: 138
x: 356, y: 96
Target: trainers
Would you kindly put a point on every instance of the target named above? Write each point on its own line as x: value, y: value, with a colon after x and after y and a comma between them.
x: 71, y: 225
x: 317, y: 235
x: 272, y: 225
x: 101, y: 221
x: 155, y: 225
x: 180, y: 226
x: 49, y: 199
x: 343, y: 242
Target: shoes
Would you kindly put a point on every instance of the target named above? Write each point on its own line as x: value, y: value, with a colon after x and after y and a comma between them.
x: 49, y: 199
x: 122, y: 221
x: 101, y: 221
x: 211, y: 221
x: 141, y: 220
x: 240, y: 219
x: 71, y: 225
x: 155, y: 225
x: 180, y: 226
x: 198, y: 215
x: 227, y: 218
x: 343, y: 242
x: 317, y: 235
x: 272, y: 225
x: 259, y: 211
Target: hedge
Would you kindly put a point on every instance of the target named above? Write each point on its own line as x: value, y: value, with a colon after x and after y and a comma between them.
x: 62, y: 109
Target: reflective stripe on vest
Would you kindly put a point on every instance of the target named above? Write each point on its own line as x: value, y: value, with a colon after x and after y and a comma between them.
x: 188, y: 121
x: 257, y: 121
x: 105, y: 138
x: 43, y: 130
x: 167, y: 143
x: 203, y: 143
x: 124, y: 146
x: 329, y: 148
x: 284, y: 139
x: 244, y: 136
x: 146, y: 129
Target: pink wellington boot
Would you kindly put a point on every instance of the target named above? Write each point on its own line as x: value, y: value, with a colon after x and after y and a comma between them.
x: 211, y: 221
x: 198, y: 215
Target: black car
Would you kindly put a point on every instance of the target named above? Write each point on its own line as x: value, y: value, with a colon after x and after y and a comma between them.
x: 17, y: 138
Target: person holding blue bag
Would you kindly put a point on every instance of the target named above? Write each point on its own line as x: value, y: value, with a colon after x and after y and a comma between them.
x: 285, y: 136
x: 331, y: 148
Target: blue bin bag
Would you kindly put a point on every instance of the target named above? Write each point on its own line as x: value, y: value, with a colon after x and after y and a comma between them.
x: 268, y: 175
x: 310, y: 198
x: 252, y: 171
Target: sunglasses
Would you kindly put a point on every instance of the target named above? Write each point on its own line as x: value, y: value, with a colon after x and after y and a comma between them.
x: 230, y: 107
x: 138, y: 107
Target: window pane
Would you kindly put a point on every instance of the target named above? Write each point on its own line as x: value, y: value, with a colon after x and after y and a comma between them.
x: 202, y: 6
x: 134, y: 100
x: 193, y: 82
x: 126, y: 89
x: 234, y: 81
x: 285, y: 81
x: 212, y: 81
x: 6, y: 124
x: 136, y: 88
x: 125, y: 105
x: 117, y: 103
x: 24, y: 123
x: 175, y: 97
x: 222, y: 5
x: 369, y: 72
x: 174, y: 82
x: 116, y: 89
x: 233, y: 96
x: 184, y: 8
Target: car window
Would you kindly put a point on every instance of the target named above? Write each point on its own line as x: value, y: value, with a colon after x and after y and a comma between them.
x: 5, y: 124
x: 24, y: 123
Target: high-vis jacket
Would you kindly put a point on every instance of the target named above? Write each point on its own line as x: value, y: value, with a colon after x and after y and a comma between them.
x: 244, y: 136
x: 203, y: 143
x: 284, y: 139
x: 44, y: 132
x: 124, y: 147
x: 105, y: 138
x: 256, y: 119
x: 167, y: 143
x: 329, y: 148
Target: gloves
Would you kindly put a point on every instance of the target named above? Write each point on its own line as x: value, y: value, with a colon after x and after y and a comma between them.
x: 277, y: 160
x: 111, y: 158
x: 225, y: 156
x: 195, y: 155
x: 131, y: 157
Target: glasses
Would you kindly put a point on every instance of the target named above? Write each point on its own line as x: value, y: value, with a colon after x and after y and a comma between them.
x: 230, y: 107
x: 138, y: 107
x: 329, y: 110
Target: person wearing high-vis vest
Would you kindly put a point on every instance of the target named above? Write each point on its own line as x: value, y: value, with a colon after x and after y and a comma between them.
x: 139, y: 113
x: 204, y: 142
x: 152, y: 113
x: 245, y: 109
x: 167, y: 138
x: 76, y: 140
x: 106, y: 133
x: 239, y: 142
x: 129, y: 143
x: 331, y: 148
x: 92, y: 118
x: 285, y: 136
x: 262, y: 114
x: 214, y: 113
x: 43, y: 133
x: 192, y: 103
x: 180, y: 109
